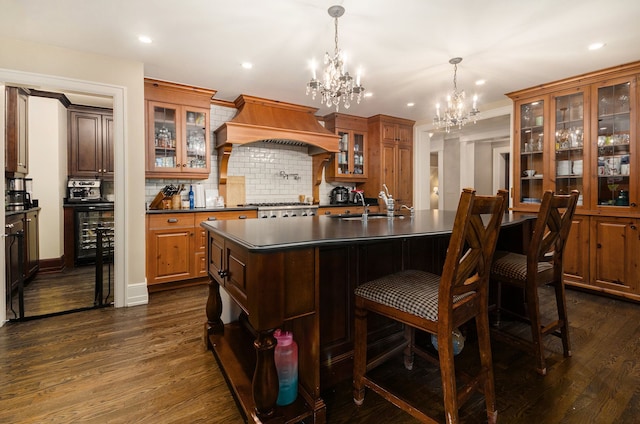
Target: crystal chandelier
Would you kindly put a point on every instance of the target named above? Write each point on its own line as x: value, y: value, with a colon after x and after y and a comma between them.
x: 336, y: 85
x: 455, y: 112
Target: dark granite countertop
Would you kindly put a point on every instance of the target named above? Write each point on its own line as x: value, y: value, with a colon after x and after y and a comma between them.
x: 10, y: 213
x: 275, y: 234
x: 161, y: 211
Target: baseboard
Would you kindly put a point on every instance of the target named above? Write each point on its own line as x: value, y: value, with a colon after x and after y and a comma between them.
x: 51, y: 265
x: 137, y: 294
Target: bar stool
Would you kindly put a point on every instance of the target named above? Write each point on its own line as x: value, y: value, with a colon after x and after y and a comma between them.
x: 541, y: 265
x: 437, y: 305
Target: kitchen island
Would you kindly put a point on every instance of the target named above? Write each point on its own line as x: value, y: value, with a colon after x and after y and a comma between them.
x: 299, y: 274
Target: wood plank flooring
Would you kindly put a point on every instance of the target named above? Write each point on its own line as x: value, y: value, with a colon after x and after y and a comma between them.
x: 52, y: 293
x: 147, y: 364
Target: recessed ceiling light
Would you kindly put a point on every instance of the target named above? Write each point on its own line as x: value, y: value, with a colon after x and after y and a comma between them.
x: 368, y: 94
x: 596, y: 46
x: 145, y: 39
x: 411, y: 104
x: 481, y: 82
x: 247, y: 65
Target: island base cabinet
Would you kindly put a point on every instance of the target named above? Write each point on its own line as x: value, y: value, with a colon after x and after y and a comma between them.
x: 291, y: 304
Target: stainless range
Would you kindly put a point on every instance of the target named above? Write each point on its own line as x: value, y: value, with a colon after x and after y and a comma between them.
x: 284, y: 210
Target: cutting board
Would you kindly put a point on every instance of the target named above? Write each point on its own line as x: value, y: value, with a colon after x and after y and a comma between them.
x: 235, y: 191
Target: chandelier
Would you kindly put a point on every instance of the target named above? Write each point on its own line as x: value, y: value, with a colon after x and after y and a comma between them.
x: 455, y: 112
x: 336, y: 85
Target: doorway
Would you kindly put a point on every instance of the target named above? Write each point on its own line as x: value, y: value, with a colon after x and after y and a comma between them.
x: 117, y: 96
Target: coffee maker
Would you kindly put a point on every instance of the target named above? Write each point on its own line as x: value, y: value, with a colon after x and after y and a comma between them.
x: 15, y: 195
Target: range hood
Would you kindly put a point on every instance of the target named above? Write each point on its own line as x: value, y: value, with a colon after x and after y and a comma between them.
x: 275, y: 122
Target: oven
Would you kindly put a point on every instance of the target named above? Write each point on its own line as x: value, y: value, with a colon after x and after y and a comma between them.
x: 284, y: 209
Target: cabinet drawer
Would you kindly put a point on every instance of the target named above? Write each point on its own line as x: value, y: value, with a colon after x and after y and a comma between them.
x: 171, y: 220
x: 218, y: 215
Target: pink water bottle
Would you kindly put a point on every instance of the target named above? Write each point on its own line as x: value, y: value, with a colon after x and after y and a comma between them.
x: 286, y: 359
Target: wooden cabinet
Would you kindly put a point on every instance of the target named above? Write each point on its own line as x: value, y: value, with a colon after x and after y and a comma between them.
x: 16, y: 132
x: 615, y: 243
x: 27, y: 222
x: 177, y: 130
x: 91, y: 143
x: 390, y: 158
x: 582, y: 134
x: 176, y: 244
x: 337, y: 210
x: 350, y: 163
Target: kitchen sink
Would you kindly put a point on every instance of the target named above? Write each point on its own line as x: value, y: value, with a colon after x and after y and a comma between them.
x: 358, y: 216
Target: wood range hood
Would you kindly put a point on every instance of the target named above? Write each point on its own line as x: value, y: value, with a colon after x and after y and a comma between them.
x: 276, y: 122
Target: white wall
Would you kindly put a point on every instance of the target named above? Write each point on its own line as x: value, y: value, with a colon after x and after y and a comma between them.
x: 48, y: 169
x: 57, y: 68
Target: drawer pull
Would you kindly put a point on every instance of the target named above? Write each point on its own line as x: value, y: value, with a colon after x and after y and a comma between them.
x: 172, y: 220
x: 242, y: 217
x: 212, y: 218
x: 327, y: 212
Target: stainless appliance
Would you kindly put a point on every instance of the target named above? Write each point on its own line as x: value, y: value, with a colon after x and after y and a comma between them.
x: 83, y: 190
x: 339, y: 195
x: 15, y: 197
x: 284, y: 209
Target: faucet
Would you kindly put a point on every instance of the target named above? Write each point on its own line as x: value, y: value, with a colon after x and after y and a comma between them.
x: 411, y: 210
x: 388, y: 201
x: 365, y: 212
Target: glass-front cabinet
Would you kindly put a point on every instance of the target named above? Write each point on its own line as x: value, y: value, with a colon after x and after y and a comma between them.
x: 614, y: 163
x: 569, y: 124
x: 349, y: 164
x: 530, y: 143
x: 177, y: 130
x: 179, y: 139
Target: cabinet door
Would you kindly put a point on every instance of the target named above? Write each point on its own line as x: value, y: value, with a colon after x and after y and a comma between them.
x: 13, y: 224
x: 570, y: 163
x: 163, y: 127
x: 32, y: 246
x: 172, y: 250
x: 85, y: 144
x: 404, y: 188
x: 529, y: 166
x: 614, y: 254
x: 575, y: 259
x: 195, y: 154
x: 107, y: 147
x: 16, y: 131
x: 388, y: 167
x: 615, y: 161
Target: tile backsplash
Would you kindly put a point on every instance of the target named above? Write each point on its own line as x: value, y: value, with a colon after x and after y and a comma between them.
x: 262, y: 164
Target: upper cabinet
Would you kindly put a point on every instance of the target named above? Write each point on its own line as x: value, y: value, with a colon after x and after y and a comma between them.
x: 178, y: 135
x: 90, y: 142
x: 350, y: 163
x: 579, y: 134
x: 391, y: 158
x: 16, y: 132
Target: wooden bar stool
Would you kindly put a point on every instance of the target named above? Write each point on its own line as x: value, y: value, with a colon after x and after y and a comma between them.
x: 541, y: 265
x: 437, y: 305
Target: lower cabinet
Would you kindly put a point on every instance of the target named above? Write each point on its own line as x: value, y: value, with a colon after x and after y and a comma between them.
x: 176, y: 244
x: 28, y: 223
x: 602, y: 254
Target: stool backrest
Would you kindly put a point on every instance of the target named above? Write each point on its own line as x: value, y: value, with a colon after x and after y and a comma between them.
x: 551, y: 229
x: 471, y: 247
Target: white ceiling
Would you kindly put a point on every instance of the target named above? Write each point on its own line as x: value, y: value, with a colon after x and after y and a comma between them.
x: 402, y: 46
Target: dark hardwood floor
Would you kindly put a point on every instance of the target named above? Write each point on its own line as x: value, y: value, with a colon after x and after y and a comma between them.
x: 53, y: 293
x: 147, y: 364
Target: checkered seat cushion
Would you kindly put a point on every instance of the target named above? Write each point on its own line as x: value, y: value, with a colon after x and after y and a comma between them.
x: 414, y: 292
x: 514, y: 266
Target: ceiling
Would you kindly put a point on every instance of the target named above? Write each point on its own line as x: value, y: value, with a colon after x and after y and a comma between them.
x: 402, y: 47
